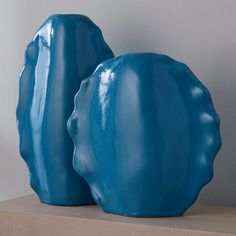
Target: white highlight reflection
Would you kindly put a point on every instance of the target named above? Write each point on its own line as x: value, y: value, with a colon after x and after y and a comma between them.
x: 106, y: 78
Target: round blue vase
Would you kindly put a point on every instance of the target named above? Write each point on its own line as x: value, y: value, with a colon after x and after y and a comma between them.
x: 145, y: 134
x: 65, y: 50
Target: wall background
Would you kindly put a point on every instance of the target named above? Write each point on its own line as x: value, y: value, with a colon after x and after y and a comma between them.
x: 201, y: 33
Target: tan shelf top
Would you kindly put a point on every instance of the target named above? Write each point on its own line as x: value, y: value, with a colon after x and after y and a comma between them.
x: 27, y: 216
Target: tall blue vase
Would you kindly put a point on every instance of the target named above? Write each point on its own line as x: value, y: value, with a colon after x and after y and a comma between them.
x: 65, y: 50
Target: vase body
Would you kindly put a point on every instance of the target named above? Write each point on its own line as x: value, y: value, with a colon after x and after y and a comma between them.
x: 65, y: 50
x: 150, y: 135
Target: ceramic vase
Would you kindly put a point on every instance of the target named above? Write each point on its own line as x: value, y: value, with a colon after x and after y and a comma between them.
x: 146, y: 134
x: 65, y: 50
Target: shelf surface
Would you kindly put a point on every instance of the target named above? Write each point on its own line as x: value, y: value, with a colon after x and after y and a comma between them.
x: 27, y: 216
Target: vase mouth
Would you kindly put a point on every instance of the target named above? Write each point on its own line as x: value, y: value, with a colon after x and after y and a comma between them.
x: 145, y: 54
x: 67, y: 16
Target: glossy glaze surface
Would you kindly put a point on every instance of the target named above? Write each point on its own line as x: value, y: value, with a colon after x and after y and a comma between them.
x: 65, y: 50
x: 145, y: 134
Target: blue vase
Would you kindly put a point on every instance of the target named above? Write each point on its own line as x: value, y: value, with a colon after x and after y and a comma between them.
x: 65, y: 50
x: 145, y: 134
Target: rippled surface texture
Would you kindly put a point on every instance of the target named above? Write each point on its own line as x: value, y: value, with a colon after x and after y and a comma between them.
x: 65, y: 50
x: 145, y: 134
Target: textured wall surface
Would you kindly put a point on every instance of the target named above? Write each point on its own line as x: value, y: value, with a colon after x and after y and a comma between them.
x: 200, y: 33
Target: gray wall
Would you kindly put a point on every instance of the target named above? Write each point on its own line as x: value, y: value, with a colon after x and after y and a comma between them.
x: 201, y: 33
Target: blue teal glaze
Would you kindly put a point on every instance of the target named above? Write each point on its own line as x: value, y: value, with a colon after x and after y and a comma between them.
x: 65, y: 50
x: 145, y: 134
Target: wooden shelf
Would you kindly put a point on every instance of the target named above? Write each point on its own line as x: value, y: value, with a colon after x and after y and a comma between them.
x: 26, y: 216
